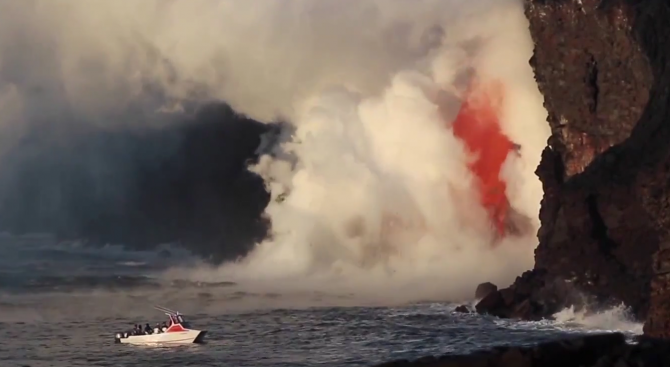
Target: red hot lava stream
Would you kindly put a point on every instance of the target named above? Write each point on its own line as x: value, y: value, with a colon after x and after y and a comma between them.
x: 478, y: 126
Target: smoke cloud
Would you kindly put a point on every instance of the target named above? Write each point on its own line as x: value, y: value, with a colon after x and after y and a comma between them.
x: 260, y: 57
x: 371, y: 190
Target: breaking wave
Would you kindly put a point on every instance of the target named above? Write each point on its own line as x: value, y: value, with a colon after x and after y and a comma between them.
x: 617, y: 318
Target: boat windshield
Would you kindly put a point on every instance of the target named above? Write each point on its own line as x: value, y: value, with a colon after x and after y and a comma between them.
x: 180, y: 319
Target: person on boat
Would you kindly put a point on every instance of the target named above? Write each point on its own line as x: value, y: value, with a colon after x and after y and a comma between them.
x: 157, y: 329
x: 164, y: 327
x: 147, y: 329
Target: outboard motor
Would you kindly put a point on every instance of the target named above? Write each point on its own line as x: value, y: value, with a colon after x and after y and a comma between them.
x: 120, y: 335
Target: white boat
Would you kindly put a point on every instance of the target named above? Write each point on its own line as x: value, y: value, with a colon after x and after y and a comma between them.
x: 177, y: 332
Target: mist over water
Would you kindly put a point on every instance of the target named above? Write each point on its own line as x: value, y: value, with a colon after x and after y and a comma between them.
x: 370, y: 189
x: 282, y: 328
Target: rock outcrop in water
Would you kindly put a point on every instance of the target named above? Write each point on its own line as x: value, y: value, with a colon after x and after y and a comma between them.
x: 607, y: 350
x: 533, y: 296
x: 602, y: 68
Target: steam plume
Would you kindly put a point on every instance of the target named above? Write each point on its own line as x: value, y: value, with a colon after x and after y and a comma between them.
x: 371, y: 183
x: 413, y: 187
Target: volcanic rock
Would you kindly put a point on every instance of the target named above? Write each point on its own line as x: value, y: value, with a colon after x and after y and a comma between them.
x: 533, y: 296
x: 484, y: 289
x: 602, y: 68
x: 605, y: 350
x: 658, y: 321
x: 462, y: 309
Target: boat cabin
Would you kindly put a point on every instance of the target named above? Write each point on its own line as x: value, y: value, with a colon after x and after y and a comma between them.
x: 176, y: 323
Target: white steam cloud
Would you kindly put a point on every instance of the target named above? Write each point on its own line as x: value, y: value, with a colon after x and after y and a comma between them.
x: 371, y: 191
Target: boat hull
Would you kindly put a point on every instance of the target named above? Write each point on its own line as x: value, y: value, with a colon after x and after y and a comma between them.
x: 176, y: 337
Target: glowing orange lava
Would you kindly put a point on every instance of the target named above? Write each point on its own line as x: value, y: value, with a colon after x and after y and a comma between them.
x: 478, y: 125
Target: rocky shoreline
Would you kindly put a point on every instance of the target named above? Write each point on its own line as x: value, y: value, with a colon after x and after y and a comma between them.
x: 601, y: 66
x: 605, y: 216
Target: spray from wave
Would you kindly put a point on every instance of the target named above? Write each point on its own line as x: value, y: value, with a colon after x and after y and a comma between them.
x: 407, y: 168
x: 617, y: 318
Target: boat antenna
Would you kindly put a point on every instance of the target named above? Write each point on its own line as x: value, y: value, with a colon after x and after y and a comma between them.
x: 166, y: 310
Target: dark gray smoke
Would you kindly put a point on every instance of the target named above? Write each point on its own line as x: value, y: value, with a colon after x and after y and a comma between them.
x: 187, y: 182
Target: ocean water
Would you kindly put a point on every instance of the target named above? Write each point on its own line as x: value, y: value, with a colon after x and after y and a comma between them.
x: 60, y: 305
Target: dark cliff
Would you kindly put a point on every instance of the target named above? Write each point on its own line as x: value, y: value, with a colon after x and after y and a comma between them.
x: 601, y: 66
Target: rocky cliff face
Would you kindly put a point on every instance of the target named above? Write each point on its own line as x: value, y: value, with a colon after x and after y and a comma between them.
x: 597, y: 79
x: 601, y: 66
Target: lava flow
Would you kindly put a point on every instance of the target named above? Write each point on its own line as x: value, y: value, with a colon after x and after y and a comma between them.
x: 478, y: 126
